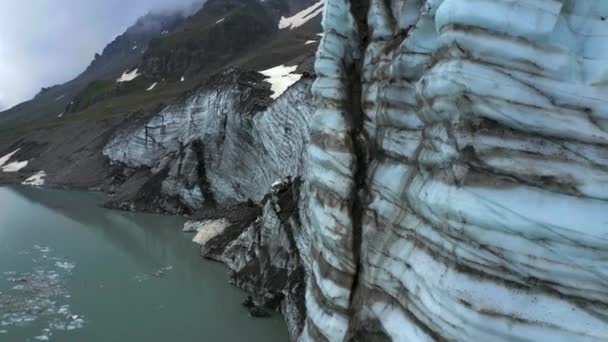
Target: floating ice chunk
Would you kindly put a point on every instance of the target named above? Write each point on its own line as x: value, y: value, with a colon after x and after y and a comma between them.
x: 60, y: 115
x: 65, y: 265
x: 183, y: 79
x: 219, y: 21
x: 301, y: 17
x: 152, y: 86
x: 42, y: 338
x: 15, y: 167
x: 42, y: 249
x: 281, y: 78
x: 128, y: 76
x: 35, y: 180
x: 311, y: 42
x: 7, y: 157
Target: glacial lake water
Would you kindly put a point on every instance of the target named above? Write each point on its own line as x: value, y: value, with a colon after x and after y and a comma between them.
x: 73, y: 271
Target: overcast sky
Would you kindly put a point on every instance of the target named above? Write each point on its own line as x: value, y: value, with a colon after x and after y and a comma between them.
x: 47, y: 42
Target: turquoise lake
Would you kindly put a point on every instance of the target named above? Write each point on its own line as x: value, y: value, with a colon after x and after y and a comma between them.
x: 71, y: 270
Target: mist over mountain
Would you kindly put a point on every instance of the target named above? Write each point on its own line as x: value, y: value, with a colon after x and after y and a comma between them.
x: 46, y: 43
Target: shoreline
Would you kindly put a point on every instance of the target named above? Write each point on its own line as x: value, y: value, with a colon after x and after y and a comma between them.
x: 231, y: 248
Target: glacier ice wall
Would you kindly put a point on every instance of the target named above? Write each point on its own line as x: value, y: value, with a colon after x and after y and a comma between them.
x: 477, y: 208
x: 227, y: 143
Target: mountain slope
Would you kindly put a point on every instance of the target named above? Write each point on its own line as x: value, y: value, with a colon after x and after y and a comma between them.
x: 173, y: 66
x: 119, y: 55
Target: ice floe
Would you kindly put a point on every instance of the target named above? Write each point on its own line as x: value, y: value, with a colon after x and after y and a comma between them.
x: 68, y: 266
x: 37, y: 297
x: 281, y: 78
x: 160, y: 273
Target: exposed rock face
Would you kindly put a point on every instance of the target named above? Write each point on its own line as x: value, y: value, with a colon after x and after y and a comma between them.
x: 226, y: 144
x: 263, y: 257
x: 472, y: 205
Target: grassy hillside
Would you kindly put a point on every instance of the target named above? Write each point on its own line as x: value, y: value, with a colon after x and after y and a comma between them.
x: 224, y: 33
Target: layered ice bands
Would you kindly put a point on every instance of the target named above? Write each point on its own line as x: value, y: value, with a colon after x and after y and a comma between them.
x: 330, y: 183
x: 225, y: 144
x: 486, y: 213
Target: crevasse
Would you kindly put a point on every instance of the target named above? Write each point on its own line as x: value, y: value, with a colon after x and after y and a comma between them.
x: 485, y: 214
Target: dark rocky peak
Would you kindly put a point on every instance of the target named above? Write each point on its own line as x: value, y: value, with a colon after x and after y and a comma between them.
x: 221, y: 30
x: 133, y: 43
x: 223, y: 33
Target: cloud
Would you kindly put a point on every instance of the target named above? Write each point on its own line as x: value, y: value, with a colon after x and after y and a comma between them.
x: 44, y: 42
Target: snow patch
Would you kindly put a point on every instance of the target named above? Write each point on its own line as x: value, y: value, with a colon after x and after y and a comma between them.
x: 15, y: 166
x: 183, y: 79
x: 302, y: 17
x: 36, y: 180
x: 152, y: 86
x: 128, y: 76
x: 281, y: 78
x: 210, y: 229
x: 7, y: 157
x: 193, y: 226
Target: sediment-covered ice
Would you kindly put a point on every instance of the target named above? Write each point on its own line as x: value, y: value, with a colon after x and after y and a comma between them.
x: 227, y: 143
x: 483, y: 209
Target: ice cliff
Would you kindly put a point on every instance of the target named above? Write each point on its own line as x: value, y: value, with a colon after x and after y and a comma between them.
x: 225, y: 144
x: 466, y: 198
x: 454, y: 166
